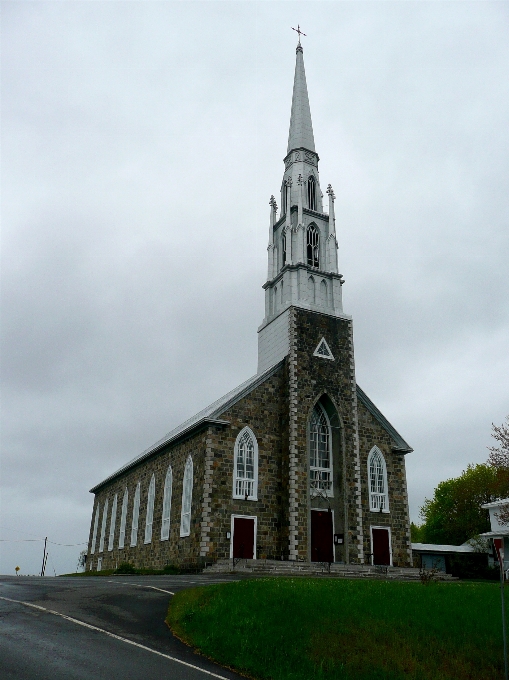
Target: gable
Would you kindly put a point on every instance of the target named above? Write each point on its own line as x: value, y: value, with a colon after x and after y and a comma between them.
x: 400, y: 445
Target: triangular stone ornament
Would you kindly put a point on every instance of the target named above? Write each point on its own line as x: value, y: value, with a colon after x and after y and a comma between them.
x: 323, y: 350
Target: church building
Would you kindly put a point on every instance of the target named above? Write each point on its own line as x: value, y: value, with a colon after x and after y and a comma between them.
x: 295, y: 464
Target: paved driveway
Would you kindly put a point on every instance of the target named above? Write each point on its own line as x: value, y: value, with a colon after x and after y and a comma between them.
x: 118, y: 631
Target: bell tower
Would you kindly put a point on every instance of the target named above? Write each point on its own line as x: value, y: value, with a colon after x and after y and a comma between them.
x: 302, y: 251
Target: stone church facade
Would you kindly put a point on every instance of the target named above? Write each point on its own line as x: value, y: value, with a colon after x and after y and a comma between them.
x: 296, y: 463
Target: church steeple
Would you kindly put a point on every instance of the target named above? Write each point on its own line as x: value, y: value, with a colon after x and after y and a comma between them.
x: 300, y: 135
x: 302, y: 250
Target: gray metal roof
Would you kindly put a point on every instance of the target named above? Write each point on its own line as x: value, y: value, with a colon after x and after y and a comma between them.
x: 400, y: 444
x: 199, y: 421
x: 436, y: 548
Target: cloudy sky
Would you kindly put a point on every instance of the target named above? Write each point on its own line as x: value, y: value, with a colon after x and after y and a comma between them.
x: 141, y: 142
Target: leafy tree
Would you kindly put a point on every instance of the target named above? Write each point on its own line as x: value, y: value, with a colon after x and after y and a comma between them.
x: 416, y: 533
x: 499, y: 460
x: 454, y: 514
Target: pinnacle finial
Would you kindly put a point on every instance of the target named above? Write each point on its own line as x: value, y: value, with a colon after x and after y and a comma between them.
x: 331, y: 193
x: 273, y: 203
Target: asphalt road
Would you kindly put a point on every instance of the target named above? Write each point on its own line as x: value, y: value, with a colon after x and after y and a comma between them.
x: 38, y: 644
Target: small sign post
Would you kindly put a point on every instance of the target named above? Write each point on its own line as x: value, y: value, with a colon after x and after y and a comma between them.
x: 498, y: 544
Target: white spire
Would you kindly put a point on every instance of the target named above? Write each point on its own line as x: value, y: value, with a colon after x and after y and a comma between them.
x: 301, y: 128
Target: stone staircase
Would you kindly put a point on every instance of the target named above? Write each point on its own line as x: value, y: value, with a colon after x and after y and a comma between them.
x: 280, y: 568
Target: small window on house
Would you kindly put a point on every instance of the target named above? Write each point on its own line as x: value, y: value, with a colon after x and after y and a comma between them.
x: 377, y: 475
x: 150, y: 509
x: 320, y: 452
x: 311, y: 193
x: 187, y: 495
x: 165, y: 525
x: 123, y: 519
x: 245, y: 473
x: 113, y: 521
x: 136, y: 516
x: 313, y: 247
x: 103, y: 526
x: 94, y: 533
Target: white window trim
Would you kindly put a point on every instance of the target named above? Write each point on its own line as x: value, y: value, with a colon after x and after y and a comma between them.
x: 372, y: 507
x: 123, y: 520
x: 136, y: 516
x: 167, y: 497
x: 321, y: 356
x: 186, y: 531
x: 149, y: 519
x: 390, y: 542
x: 103, y: 525
x: 232, y: 529
x: 254, y: 496
x: 99, y: 563
x: 329, y: 493
x: 96, y: 524
x: 113, y: 522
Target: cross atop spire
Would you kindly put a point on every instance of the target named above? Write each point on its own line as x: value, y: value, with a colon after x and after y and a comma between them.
x: 297, y: 30
x: 301, y: 128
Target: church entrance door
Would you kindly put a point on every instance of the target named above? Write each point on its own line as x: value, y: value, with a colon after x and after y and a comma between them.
x: 381, y: 546
x: 321, y: 536
x: 243, y: 537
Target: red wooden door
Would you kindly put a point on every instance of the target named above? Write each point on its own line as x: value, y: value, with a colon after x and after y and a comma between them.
x: 381, y: 548
x: 243, y: 537
x: 321, y: 536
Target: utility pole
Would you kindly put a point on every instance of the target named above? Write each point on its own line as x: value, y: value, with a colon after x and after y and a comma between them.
x: 499, y: 549
x: 44, y: 557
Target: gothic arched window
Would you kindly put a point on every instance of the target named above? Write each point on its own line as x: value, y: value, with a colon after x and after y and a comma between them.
x: 311, y: 193
x: 311, y: 289
x: 283, y: 248
x: 150, y: 510
x: 94, y: 533
x: 123, y: 519
x: 165, y: 525
x: 313, y: 246
x: 136, y: 515
x: 103, y: 525
x: 113, y: 522
x: 187, y: 495
x: 320, y: 463
x: 245, y: 472
x: 377, y: 475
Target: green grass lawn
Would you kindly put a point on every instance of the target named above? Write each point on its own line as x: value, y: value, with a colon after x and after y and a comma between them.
x: 307, y: 629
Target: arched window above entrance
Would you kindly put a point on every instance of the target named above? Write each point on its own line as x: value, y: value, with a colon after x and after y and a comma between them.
x: 320, y: 453
x: 245, y: 474
x: 377, y: 475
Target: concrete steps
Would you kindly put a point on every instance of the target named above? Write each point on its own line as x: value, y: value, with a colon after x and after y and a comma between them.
x: 279, y: 568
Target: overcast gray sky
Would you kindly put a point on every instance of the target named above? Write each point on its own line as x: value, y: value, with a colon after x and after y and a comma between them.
x: 141, y: 142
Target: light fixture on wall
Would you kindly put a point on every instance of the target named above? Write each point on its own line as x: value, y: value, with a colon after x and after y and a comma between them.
x: 228, y: 535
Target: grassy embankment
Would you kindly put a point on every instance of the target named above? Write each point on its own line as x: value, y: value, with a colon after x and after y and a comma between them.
x: 314, y: 629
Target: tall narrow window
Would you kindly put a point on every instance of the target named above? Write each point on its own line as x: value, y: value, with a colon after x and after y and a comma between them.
x: 320, y: 452
x: 187, y: 495
x: 245, y: 473
x: 150, y: 509
x: 313, y: 247
x: 94, y: 533
x: 113, y: 521
x: 311, y: 193
x: 377, y: 474
x: 165, y: 525
x: 123, y: 519
x: 283, y: 198
x: 103, y: 525
x: 136, y: 515
x: 311, y: 290
x: 283, y: 248
x: 323, y: 293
